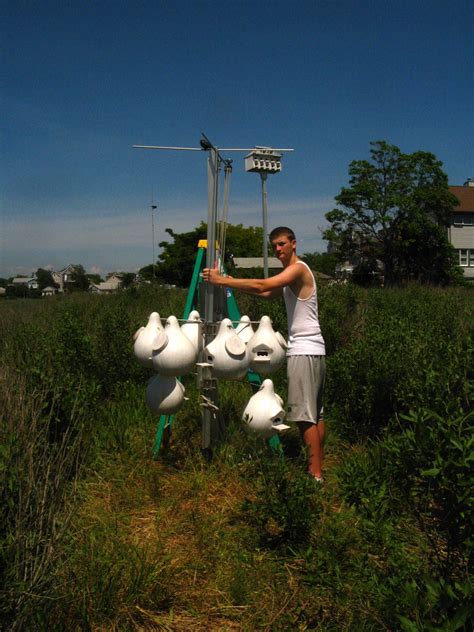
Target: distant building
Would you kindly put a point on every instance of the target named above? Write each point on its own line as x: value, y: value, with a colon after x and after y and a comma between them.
x: 112, y: 284
x: 64, y: 277
x: 30, y: 282
x: 245, y: 263
x: 49, y: 291
x: 461, y: 231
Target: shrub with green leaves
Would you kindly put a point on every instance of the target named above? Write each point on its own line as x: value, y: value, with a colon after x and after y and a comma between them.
x: 409, y: 348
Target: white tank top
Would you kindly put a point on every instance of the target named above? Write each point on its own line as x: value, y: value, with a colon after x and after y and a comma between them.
x: 304, y: 332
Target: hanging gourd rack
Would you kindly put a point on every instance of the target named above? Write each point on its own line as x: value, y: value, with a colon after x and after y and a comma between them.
x: 216, y: 304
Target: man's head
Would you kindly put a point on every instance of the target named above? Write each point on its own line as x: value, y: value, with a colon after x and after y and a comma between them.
x: 282, y: 230
x: 283, y: 243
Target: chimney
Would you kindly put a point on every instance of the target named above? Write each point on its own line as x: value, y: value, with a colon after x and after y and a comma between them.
x: 469, y: 183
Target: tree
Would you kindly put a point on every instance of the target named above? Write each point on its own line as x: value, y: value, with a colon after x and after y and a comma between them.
x: 324, y: 262
x: 44, y: 278
x: 128, y: 278
x: 79, y: 276
x: 94, y: 278
x: 176, y: 261
x: 396, y: 210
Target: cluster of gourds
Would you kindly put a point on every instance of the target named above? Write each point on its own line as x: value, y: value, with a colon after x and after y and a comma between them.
x: 173, y: 351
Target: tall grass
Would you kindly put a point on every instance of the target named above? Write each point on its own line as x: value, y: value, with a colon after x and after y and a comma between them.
x: 96, y: 535
x: 39, y: 468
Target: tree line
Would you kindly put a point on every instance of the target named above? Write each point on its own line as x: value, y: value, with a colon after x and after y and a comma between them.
x: 390, y: 222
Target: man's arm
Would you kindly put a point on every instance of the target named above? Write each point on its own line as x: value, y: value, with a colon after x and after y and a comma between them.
x: 265, y: 288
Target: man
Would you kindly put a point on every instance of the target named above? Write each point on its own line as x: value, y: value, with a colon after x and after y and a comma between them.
x: 306, y: 350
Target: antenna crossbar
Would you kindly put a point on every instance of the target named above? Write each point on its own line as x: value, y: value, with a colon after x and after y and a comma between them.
x: 201, y: 149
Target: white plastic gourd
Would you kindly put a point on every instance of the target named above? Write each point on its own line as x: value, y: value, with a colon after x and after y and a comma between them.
x: 174, y: 354
x: 164, y: 395
x: 266, y: 348
x: 264, y: 412
x: 244, y: 329
x: 192, y: 329
x: 227, y: 353
x: 145, y: 338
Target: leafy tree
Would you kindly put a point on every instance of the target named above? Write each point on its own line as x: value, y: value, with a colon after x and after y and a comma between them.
x: 94, y: 278
x: 396, y: 210
x: 324, y: 262
x: 79, y: 276
x: 176, y: 261
x: 146, y: 273
x: 44, y: 278
x: 127, y: 278
x: 3, y: 282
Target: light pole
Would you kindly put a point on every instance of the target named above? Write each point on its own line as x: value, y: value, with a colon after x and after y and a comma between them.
x: 264, y: 160
x: 153, y: 207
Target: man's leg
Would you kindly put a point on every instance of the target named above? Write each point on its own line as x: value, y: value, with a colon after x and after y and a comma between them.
x: 313, y: 438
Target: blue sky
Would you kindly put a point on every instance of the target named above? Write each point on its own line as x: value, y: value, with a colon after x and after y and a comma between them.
x: 84, y: 81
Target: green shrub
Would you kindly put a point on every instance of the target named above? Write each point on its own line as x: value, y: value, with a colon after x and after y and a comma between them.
x: 286, y: 504
x: 424, y: 472
x: 410, y: 348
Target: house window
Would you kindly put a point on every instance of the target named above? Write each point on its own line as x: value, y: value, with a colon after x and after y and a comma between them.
x: 463, y: 257
x: 471, y: 258
x: 463, y: 219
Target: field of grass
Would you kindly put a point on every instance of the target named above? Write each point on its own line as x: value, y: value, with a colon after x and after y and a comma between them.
x: 96, y: 535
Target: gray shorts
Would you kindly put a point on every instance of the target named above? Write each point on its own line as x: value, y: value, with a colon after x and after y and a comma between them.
x: 305, y: 387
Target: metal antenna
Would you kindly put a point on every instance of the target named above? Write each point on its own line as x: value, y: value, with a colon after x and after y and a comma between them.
x: 153, y: 208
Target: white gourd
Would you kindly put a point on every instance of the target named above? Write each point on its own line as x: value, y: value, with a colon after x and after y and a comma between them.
x: 192, y: 329
x: 267, y: 353
x: 145, y: 339
x: 178, y: 356
x: 244, y: 329
x: 264, y: 412
x: 227, y: 353
x: 164, y: 395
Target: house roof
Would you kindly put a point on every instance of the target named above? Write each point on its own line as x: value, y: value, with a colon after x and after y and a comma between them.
x: 465, y: 195
x: 69, y: 268
x: 256, y: 262
x: 49, y: 288
x: 107, y: 286
x: 23, y: 280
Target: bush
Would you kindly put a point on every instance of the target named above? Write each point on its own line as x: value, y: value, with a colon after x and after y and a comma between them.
x: 285, y: 506
x: 409, y: 349
x: 424, y: 473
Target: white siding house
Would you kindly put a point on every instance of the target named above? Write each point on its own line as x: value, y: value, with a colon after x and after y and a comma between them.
x: 461, y: 231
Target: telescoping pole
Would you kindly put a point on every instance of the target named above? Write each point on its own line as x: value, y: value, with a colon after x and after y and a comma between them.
x: 208, y: 383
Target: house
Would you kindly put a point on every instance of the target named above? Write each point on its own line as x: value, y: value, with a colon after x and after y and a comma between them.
x: 29, y: 282
x: 64, y: 277
x: 461, y: 231
x: 49, y: 291
x: 111, y: 284
x: 245, y: 263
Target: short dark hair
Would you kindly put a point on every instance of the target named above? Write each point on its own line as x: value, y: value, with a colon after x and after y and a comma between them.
x: 282, y: 230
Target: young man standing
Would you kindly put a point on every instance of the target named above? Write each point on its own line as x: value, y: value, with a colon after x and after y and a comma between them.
x: 306, y: 350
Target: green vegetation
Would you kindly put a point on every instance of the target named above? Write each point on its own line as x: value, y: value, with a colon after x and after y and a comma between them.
x: 94, y: 534
x: 241, y: 241
x: 394, y: 203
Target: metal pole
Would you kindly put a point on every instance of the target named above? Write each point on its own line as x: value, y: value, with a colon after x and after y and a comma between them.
x: 263, y: 177
x: 207, y: 382
x: 153, y: 207
x: 212, y: 188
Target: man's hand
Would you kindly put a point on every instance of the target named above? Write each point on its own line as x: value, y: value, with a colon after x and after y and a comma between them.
x: 211, y: 275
